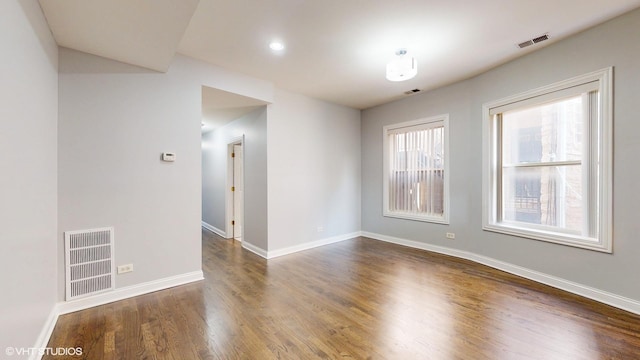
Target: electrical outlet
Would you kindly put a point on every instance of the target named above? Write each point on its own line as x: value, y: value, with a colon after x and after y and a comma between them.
x: 451, y: 236
x: 125, y: 268
x: 320, y: 229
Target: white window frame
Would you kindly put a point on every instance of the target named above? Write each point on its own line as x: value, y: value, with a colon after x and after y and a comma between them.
x: 600, y: 182
x: 434, y: 121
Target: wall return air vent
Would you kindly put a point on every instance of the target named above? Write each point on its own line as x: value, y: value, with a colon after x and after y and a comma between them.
x: 533, y: 41
x: 89, y: 265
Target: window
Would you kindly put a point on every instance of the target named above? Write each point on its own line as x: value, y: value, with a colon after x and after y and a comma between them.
x: 416, y: 175
x: 547, y: 163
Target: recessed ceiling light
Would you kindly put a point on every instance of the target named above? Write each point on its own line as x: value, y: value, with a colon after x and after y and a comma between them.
x: 276, y: 46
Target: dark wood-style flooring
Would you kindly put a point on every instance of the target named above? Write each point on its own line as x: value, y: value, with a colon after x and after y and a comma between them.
x: 357, y: 299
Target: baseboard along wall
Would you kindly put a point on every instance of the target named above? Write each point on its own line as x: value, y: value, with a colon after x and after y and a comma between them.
x: 608, y: 298
x: 61, y: 308
x: 214, y: 229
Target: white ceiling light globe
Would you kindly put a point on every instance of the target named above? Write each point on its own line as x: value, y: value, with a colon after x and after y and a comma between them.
x: 403, y: 67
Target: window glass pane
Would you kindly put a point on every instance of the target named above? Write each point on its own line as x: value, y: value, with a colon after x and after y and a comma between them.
x: 544, y: 133
x: 545, y: 195
x: 416, y: 179
x: 547, y: 163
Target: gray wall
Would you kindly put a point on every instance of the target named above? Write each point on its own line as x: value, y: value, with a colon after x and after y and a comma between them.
x: 115, y: 121
x: 614, y: 43
x: 214, y: 178
x: 214, y: 175
x: 314, y: 170
x: 28, y: 180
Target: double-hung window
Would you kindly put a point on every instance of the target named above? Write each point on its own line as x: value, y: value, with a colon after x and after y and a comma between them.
x: 416, y: 174
x: 547, y: 163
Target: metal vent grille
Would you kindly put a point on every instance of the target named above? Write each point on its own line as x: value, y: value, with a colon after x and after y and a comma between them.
x: 540, y: 39
x: 89, y: 262
x: 535, y: 40
x: 525, y: 44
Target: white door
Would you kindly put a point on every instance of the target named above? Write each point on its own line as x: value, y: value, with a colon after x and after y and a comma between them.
x: 238, y: 193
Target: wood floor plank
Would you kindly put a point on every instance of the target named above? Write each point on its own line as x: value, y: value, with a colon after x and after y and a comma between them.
x: 357, y: 299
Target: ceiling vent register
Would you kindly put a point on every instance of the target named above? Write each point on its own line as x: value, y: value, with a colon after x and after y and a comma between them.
x: 409, y: 92
x: 533, y: 41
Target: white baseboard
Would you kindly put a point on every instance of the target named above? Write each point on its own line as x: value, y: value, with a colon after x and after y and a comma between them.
x: 214, y: 229
x: 45, y: 333
x: 310, y: 245
x: 614, y: 300
x: 620, y: 302
x: 254, y: 249
x: 128, y: 292
x: 294, y: 249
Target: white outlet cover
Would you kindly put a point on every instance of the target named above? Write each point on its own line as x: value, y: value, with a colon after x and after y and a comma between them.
x: 125, y: 268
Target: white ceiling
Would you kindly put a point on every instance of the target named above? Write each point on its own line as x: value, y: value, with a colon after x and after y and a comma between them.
x: 139, y: 32
x: 220, y: 107
x: 336, y: 50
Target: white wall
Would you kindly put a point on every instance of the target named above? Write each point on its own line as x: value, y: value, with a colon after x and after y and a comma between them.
x: 214, y: 175
x: 314, y: 170
x: 28, y: 184
x: 115, y: 121
x: 614, y: 43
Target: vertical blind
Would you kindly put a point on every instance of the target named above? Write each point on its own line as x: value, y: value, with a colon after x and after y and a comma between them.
x: 416, y: 171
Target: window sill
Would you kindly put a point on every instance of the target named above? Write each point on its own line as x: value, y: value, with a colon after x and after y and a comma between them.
x: 552, y: 237
x: 429, y: 219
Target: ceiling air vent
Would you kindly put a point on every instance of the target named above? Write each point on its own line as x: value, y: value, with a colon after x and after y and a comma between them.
x: 540, y: 38
x: 525, y: 44
x: 536, y: 40
x: 409, y: 92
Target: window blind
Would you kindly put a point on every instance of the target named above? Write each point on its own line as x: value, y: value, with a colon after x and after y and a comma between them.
x: 416, y: 178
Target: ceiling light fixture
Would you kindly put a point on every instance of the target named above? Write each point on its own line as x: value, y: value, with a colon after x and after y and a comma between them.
x: 402, y: 67
x: 276, y: 46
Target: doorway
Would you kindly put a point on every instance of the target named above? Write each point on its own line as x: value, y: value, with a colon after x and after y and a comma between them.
x: 235, y: 189
x: 226, y: 117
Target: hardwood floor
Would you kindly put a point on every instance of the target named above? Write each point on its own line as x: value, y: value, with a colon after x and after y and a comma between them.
x: 357, y: 299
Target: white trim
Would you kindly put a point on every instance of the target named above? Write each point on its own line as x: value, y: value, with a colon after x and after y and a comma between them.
x: 214, y: 229
x: 602, y: 75
x: 62, y: 308
x: 297, y: 248
x: 409, y: 216
x: 254, y: 249
x: 45, y: 333
x: 428, y: 122
x: 603, y: 79
x: 417, y: 245
x: 608, y: 298
x: 310, y: 245
x: 555, y: 237
x: 614, y: 300
x: 128, y: 292
x: 564, y: 89
x: 238, y: 140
